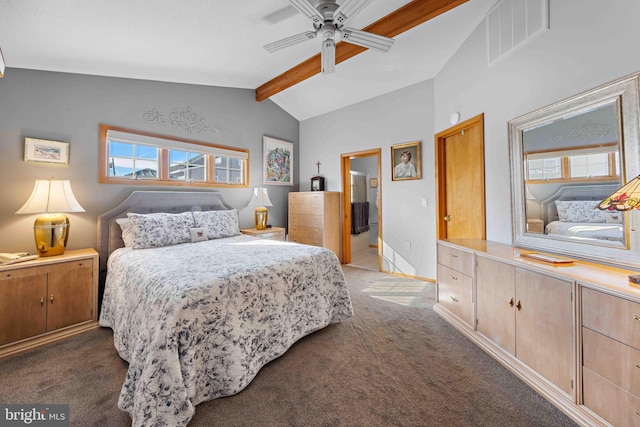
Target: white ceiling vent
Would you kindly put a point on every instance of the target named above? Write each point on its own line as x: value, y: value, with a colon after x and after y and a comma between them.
x: 512, y: 23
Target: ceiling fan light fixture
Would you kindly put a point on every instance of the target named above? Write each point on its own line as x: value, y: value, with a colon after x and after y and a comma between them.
x: 328, y: 56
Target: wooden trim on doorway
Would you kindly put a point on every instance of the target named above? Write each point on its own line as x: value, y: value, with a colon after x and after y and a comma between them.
x: 440, y: 172
x: 345, y: 168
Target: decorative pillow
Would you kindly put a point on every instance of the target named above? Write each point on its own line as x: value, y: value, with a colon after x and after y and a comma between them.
x: 218, y: 223
x: 198, y: 234
x: 127, y: 231
x: 160, y: 229
x: 579, y: 211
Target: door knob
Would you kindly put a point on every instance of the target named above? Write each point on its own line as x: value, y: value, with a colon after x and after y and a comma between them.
x: 447, y: 217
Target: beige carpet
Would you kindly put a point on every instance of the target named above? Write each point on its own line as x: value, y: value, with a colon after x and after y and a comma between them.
x: 396, y: 363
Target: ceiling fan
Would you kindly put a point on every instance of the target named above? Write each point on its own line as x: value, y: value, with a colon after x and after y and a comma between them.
x: 328, y: 18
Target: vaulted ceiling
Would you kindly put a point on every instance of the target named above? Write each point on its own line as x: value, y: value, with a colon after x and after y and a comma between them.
x: 220, y: 43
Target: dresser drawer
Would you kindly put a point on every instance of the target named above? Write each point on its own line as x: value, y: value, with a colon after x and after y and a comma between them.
x: 617, y: 406
x: 612, y: 360
x: 455, y: 292
x: 314, y: 220
x: 611, y: 316
x: 305, y: 203
x: 456, y: 259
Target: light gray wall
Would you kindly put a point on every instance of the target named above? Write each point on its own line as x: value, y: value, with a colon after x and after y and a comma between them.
x: 590, y: 43
x: 405, y: 115
x: 69, y: 107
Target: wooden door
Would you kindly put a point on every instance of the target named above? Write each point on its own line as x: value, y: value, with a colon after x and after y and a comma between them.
x: 544, y: 324
x: 460, y: 181
x: 22, y: 304
x: 69, y: 295
x: 495, y: 295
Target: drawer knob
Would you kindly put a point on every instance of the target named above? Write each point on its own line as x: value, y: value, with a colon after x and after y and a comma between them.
x: 51, y: 298
x: 41, y: 300
x: 518, y: 305
x: 511, y: 302
x: 454, y: 256
x: 637, y: 412
x: 452, y: 277
x: 636, y: 317
x: 454, y: 299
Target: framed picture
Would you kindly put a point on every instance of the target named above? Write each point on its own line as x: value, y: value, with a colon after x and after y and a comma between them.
x: 317, y: 183
x: 277, y: 162
x: 374, y: 183
x: 42, y: 150
x: 405, y: 161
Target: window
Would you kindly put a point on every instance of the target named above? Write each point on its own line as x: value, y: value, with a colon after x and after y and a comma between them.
x: 600, y: 163
x: 149, y: 159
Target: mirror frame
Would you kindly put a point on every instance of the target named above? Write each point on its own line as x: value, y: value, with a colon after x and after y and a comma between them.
x: 624, y: 92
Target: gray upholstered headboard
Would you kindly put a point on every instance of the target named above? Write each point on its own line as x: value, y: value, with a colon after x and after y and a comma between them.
x: 574, y: 192
x: 109, y: 233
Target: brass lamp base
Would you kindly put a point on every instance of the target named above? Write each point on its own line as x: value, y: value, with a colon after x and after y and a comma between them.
x: 261, y: 215
x: 51, y: 232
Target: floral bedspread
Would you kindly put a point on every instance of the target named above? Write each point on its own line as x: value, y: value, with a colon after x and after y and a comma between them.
x: 197, y: 321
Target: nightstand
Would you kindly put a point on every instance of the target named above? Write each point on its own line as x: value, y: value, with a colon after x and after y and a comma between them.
x: 273, y: 233
x: 48, y: 299
x: 535, y: 225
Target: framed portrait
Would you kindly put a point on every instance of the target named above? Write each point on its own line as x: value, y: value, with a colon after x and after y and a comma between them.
x: 42, y: 150
x: 405, y: 161
x: 277, y: 162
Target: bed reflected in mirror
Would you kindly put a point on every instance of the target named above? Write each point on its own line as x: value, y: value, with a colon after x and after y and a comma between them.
x: 571, y: 164
x: 565, y: 159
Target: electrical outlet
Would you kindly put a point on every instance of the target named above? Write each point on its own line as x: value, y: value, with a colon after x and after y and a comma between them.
x: 425, y: 202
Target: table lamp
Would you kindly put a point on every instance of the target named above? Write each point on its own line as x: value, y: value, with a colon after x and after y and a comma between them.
x: 625, y: 198
x: 260, y: 200
x: 50, y: 198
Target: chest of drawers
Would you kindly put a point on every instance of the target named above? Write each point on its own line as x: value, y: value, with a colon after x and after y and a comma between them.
x: 314, y: 219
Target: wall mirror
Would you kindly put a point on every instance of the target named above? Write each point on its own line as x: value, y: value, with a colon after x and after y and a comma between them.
x: 567, y: 157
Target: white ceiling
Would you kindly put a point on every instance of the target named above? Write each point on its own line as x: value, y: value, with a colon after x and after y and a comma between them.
x: 219, y: 43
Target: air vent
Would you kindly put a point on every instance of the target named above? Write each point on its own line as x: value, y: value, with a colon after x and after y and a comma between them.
x: 512, y: 23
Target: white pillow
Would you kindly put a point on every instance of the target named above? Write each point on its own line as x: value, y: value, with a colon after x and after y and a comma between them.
x: 127, y: 231
x: 579, y: 211
x: 160, y: 229
x: 219, y: 224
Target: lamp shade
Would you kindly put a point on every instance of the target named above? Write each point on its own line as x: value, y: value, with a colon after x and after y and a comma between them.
x: 260, y: 197
x: 624, y: 199
x: 51, y: 196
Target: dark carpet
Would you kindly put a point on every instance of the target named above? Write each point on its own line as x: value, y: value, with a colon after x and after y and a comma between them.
x: 396, y: 363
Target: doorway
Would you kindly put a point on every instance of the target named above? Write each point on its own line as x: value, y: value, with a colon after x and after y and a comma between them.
x: 362, y: 207
x: 460, y: 195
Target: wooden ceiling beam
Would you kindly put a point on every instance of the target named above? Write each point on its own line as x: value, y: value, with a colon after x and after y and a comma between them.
x: 408, y: 16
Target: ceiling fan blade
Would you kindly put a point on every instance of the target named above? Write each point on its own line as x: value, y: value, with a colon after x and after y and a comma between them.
x: 366, y: 39
x: 347, y: 9
x: 328, y: 56
x: 289, y: 41
x: 308, y: 9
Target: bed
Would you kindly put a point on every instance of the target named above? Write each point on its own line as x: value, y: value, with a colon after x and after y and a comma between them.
x: 570, y: 213
x: 197, y: 320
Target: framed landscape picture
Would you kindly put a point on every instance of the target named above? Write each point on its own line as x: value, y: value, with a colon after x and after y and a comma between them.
x: 42, y: 150
x: 277, y: 161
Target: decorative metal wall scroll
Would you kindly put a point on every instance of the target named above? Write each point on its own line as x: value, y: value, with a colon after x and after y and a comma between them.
x: 183, y: 119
